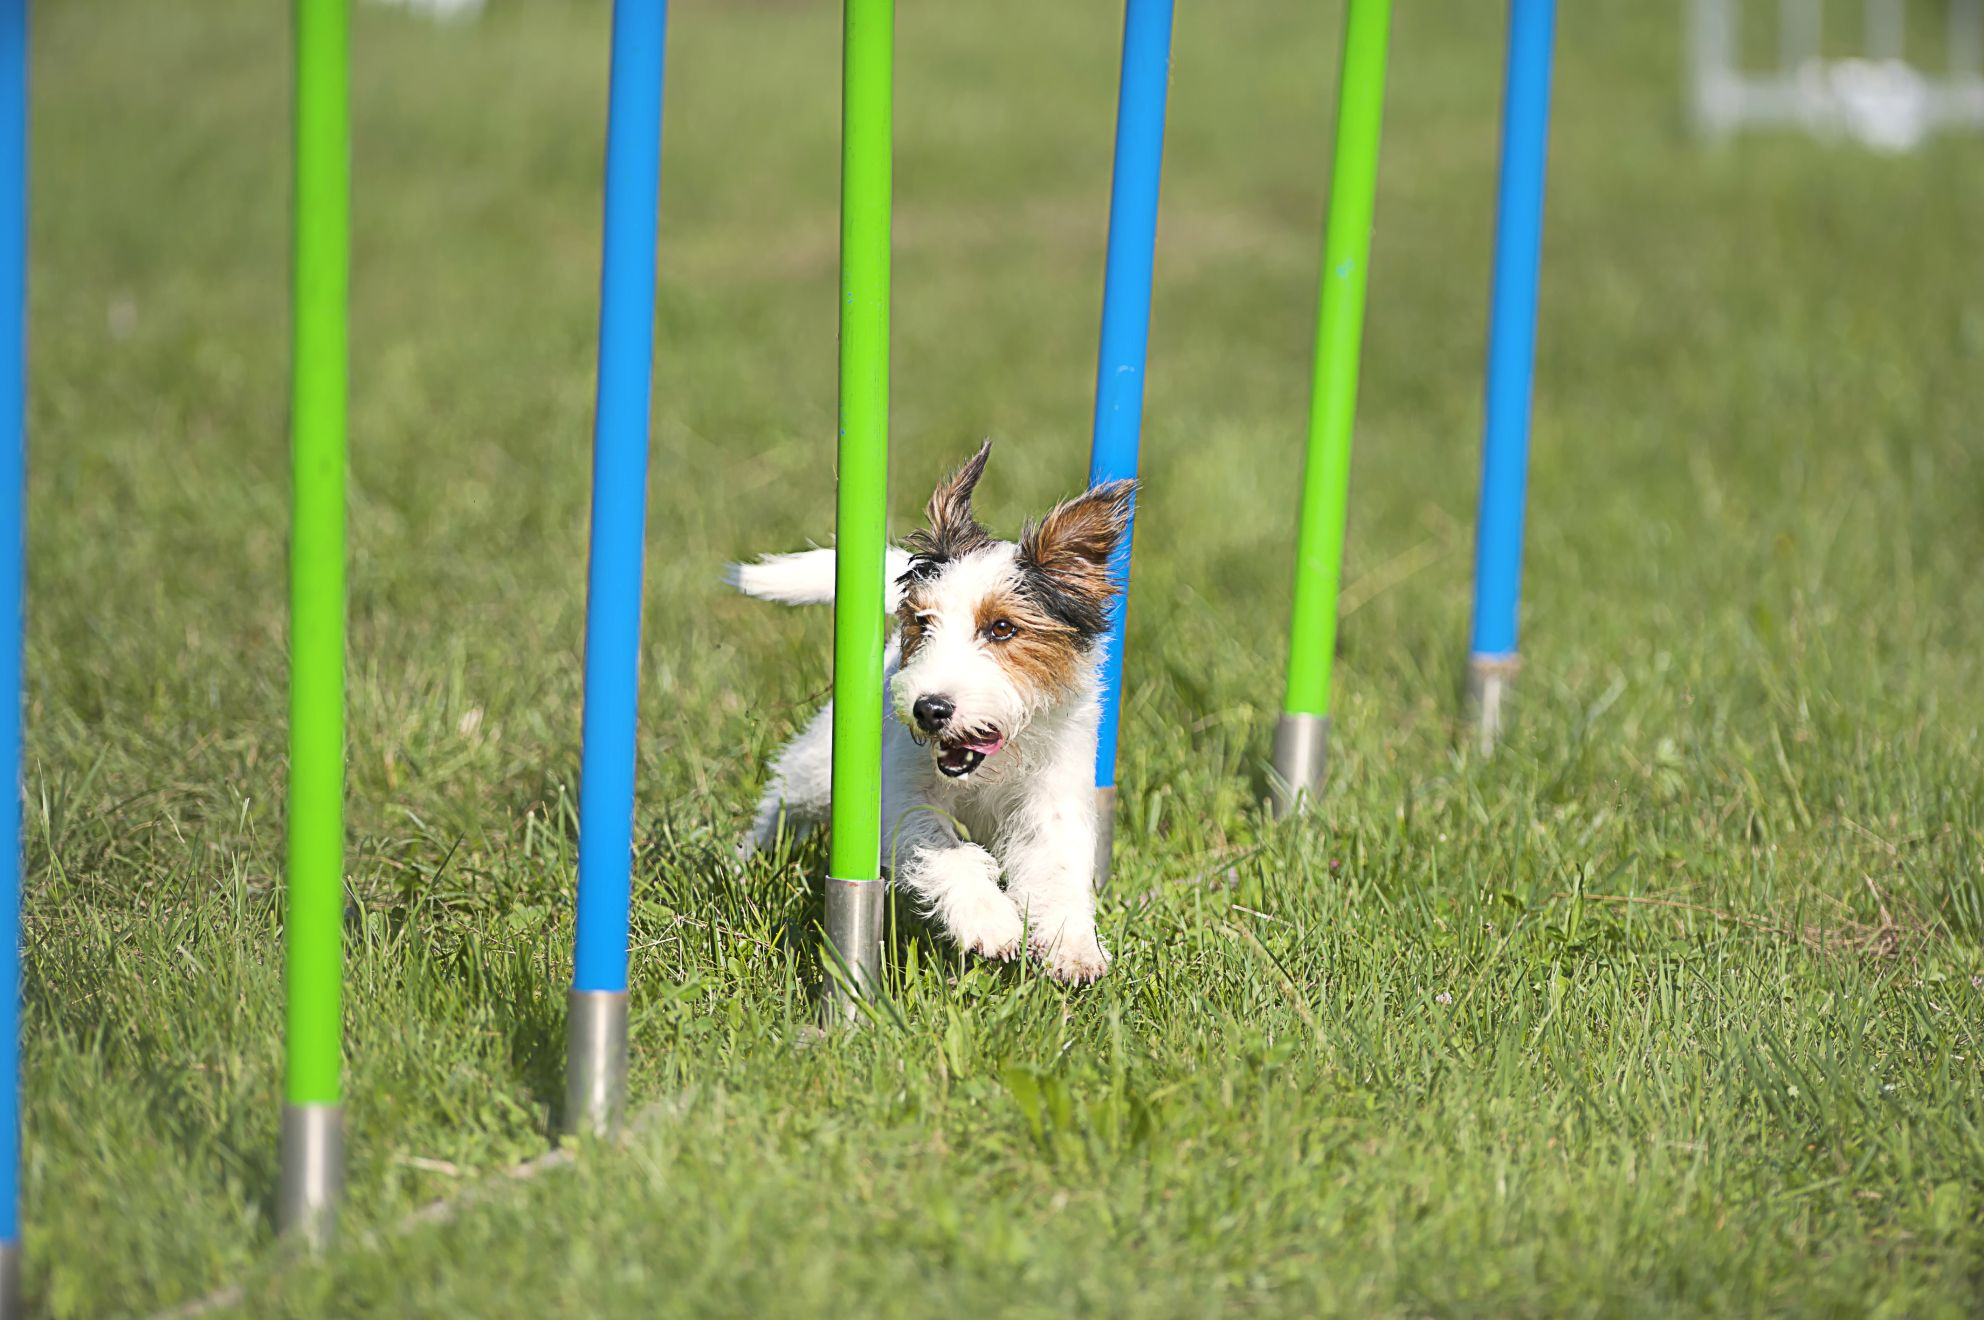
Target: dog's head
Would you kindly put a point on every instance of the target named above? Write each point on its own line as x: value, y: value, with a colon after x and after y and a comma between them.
x: 996, y: 632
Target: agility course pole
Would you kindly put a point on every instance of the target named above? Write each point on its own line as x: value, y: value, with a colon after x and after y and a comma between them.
x: 855, y: 891
x: 1493, y: 657
x: 1301, y: 738
x: 1119, y: 365
x: 312, y: 1117
x: 13, y: 557
x: 596, y: 1009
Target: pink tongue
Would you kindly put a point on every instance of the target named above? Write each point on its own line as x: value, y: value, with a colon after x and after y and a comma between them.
x: 987, y: 747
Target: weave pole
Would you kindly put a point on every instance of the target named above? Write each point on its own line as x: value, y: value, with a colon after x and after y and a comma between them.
x: 1493, y: 657
x: 13, y: 558
x: 312, y: 1116
x: 596, y: 1008
x: 1301, y: 738
x: 1119, y: 365
x: 855, y: 891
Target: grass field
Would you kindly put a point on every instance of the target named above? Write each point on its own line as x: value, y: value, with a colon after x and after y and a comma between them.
x: 1671, y: 1008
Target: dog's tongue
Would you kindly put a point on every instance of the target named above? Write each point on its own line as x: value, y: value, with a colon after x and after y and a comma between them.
x: 987, y: 747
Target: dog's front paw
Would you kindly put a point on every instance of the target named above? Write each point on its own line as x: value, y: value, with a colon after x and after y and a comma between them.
x: 991, y: 927
x: 1073, y: 955
x: 986, y: 924
x: 970, y: 904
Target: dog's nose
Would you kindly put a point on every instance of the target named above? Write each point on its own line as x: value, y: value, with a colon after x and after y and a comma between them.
x: 932, y: 712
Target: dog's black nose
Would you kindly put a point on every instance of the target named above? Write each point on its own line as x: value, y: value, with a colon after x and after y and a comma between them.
x: 932, y: 712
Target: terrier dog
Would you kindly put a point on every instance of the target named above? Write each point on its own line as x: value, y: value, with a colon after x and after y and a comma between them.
x: 994, y: 679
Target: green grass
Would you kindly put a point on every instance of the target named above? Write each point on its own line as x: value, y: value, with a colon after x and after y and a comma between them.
x: 1670, y: 1008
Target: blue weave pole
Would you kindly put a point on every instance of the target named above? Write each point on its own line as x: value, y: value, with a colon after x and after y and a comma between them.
x: 1119, y: 368
x: 596, y: 1028
x: 13, y: 555
x: 1511, y: 365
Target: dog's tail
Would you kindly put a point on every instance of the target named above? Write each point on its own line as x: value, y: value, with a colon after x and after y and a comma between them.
x: 807, y: 577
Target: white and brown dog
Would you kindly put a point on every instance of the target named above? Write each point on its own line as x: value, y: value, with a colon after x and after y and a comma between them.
x: 994, y: 678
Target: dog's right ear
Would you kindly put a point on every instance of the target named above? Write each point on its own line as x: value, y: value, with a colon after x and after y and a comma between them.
x: 954, y: 531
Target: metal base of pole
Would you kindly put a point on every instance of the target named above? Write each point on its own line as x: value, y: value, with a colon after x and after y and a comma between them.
x: 595, y: 1062
x: 854, y: 928
x: 312, y: 1172
x: 1105, y: 835
x: 1490, y: 685
x: 1301, y: 754
x: 10, y: 1281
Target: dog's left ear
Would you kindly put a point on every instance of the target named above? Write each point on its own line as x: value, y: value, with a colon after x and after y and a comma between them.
x: 1074, y: 543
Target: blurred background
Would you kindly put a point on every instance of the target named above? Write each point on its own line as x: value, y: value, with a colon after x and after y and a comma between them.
x: 1729, y: 338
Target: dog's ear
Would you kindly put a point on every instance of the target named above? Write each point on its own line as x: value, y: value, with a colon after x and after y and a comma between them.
x: 954, y: 531
x: 1067, y: 553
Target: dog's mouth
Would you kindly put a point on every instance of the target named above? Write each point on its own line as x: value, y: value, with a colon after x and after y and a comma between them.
x: 959, y: 756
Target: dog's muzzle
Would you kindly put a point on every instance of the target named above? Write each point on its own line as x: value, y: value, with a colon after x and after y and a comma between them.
x: 959, y: 756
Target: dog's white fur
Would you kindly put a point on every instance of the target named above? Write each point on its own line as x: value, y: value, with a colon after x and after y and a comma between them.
x: 807, y: 577
x: 1027, y: 812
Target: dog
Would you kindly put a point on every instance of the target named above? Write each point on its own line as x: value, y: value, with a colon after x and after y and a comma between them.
x: 994, y: 679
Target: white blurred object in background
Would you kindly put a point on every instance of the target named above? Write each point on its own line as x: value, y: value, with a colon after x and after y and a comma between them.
x: 441, y: 9
x: 1876, y: 98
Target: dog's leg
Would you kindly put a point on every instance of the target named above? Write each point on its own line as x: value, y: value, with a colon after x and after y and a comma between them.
x: 799, y: 788
x: 1050, y: 867
x: 955, y: 882
x: 775, y: 814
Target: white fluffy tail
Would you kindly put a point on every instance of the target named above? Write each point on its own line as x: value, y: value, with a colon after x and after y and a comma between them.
x: 807, y: 577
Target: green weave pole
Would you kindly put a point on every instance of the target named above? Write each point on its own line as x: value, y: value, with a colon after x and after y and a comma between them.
x: 312, y: 1117
x: 1300, y: 742
x: 854, y: 890
x: 316, y: 601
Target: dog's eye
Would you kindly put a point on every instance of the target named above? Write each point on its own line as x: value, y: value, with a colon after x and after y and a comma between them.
x: 1001, y: 630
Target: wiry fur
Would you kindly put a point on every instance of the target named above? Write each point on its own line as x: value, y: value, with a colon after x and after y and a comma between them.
x: 954, y: 531
x: 1010, y: 634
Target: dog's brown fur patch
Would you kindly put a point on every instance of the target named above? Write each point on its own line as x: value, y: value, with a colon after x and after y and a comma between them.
x: 1044, y: 652
x: 908, y: 625
x: 954, y: 531
x: 1066, y: 555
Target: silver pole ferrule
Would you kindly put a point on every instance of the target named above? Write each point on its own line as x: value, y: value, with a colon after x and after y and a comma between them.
x: 1301, y: 755
x: 595, y: 1062
x: 10, y: 1281
x: 1105, y: 836
x: 312, y: 1172
x: 1490, y: 685
x: 854, y: 930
